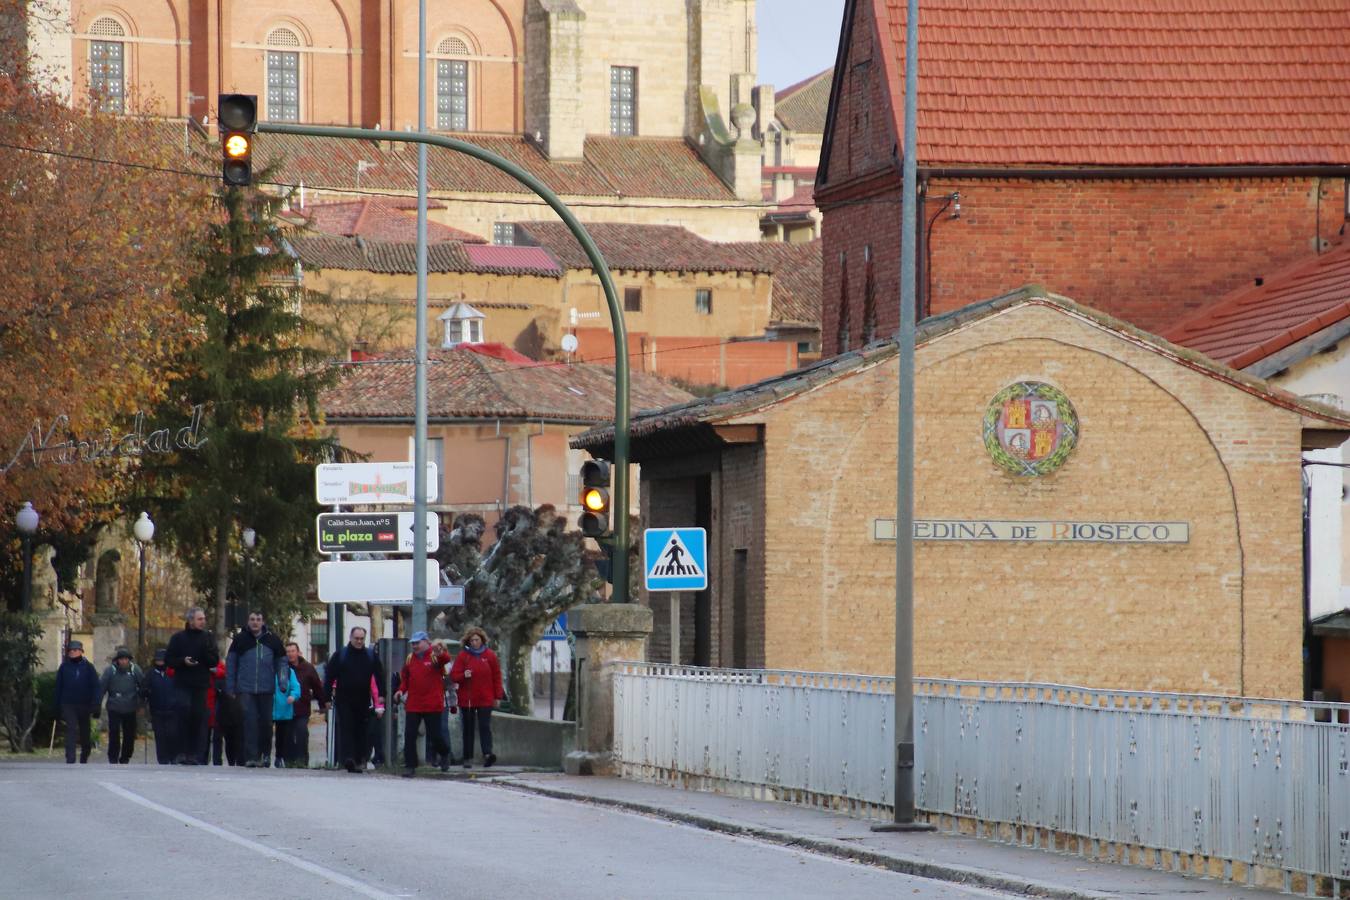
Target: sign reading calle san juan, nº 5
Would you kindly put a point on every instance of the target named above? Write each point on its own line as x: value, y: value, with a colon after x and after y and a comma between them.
x: 1031, y: 530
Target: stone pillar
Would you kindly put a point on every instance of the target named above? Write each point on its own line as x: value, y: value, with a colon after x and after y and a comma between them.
x: 110, y: 632
x: 606, y: 633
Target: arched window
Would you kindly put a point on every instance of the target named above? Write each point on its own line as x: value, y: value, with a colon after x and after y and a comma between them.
x: 283, y: 76
x: 107, y: 66
x: 452, y: 86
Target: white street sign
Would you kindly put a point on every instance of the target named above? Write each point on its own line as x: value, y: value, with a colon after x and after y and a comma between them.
x: 380, y: 482
x: 449, y: 595
x: 371, y: 580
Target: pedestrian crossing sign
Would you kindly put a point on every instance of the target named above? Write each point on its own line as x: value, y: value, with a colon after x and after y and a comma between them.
x: 675, y: 559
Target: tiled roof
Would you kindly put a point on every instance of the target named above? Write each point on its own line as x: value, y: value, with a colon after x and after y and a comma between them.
x: 730, y: 404
x: 378, y: 219
x: 610, y: 167
x: 1125, y: 82
x: 802, y: 107
x: 652, y: 248
x: 463, y: 384
x: 796, y: 279
x: 1254, y: 322
x: 400, y: 257
x: 497, y: 257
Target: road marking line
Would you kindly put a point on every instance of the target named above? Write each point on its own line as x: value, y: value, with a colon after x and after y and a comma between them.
x: 270, y: 852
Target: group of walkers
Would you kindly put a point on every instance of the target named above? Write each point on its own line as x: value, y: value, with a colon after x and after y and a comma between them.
x: 253, y: 707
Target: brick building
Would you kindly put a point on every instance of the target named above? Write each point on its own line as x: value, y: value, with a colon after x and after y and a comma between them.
x: 708, y: 313
x: 1143, y: 158
x: 1095, y: 505
x: 598, y: 86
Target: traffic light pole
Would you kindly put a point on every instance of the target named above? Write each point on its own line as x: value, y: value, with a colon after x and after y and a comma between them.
x: 597, y: 260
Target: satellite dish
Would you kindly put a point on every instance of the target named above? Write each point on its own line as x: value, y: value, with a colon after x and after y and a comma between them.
x: 570, y: 343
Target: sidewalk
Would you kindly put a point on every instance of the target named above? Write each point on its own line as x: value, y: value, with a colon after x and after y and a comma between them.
x: 972, y: 861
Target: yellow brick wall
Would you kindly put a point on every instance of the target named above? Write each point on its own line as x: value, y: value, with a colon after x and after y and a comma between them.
x: 1159, y: 442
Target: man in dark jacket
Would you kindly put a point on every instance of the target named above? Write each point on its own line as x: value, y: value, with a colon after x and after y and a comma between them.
x: 254, y: 668
x: 77, y: 698
x: 122, y: 685
x: 192, y: 654
x: 163, y: 713
x: 347, y: 681
x: 311, y: 692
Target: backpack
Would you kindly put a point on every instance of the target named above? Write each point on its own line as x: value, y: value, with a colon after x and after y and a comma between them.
x: 342, y: 654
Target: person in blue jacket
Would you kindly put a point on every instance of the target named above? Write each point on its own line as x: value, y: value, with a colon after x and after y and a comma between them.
x: 77, y: 697
x: 163, y: 708
x: 283, y: 712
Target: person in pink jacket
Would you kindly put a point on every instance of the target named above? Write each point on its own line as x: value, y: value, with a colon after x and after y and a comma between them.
x: 479, y: 677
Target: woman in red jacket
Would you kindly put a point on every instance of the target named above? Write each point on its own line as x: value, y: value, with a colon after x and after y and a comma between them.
x: 479, y: 677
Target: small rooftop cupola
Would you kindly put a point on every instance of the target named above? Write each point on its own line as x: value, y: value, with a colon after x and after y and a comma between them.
x: 463, y: 325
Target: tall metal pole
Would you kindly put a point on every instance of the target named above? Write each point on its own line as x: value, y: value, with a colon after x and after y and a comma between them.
x: 597, y: 261
x: 419, y: 595
x: 140, y: 613
x: 904, y: 459
x: 27, y: 603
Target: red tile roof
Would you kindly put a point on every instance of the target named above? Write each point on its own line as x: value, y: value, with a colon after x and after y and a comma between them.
x: 379, y: 219
x: 515, y: 258
x: 1125, y: 82
x: 650, y: 248
x: 803, y: 106
x: 796, y: 279
x: 1254, y: 322
x: 466, y: 384
x: 610, y: 167
x: 400, y: 257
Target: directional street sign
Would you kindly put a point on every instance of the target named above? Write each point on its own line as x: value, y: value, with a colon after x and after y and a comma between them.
x: 371, y: 581
x: 675, y: 559
x: 450, y: 595
x: 374, y: 532
x: 358, y: 483
x: 557, y: 631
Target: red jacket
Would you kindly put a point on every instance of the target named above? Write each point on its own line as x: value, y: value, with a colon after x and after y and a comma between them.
x: 423, y: 681
x: 485, y: 687
x: 217, y: 674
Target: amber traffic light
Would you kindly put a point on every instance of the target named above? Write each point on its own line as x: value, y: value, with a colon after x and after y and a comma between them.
x: 595, y: 498
x: 238, y: 117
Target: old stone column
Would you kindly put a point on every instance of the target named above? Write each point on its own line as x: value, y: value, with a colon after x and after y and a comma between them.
x: 606, y: 633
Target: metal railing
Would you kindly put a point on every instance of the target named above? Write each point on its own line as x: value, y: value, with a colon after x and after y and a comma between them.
x: 1172, y: 778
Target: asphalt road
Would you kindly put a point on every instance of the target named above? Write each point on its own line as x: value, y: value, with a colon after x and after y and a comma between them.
x: 100, y: 831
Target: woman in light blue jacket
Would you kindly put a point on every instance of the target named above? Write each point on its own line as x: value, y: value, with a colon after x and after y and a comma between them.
x: 283, y: 711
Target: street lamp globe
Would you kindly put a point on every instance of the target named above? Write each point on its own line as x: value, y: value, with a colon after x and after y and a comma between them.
x: 144, y: 529
x: 27, y: 519
x: 250, y: 538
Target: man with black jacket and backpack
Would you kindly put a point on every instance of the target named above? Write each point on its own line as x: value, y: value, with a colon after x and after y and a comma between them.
x: 347, y: 681
x: 254, y: 667
x: 192, y: 654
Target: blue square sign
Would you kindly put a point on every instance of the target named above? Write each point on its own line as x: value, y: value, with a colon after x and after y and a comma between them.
x: 675, y: 559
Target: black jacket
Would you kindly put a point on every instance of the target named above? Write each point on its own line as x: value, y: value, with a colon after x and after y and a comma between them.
x: 160, y: 685
x: 77, y: 683
x: 201, y: 646
x: 350, y: 670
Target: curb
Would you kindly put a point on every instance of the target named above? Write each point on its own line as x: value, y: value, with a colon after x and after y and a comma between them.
x: 906, y: 865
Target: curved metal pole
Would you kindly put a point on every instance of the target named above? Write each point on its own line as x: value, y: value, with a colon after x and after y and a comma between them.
x: 621, y: 409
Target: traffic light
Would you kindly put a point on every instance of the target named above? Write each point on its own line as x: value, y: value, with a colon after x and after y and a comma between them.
x: 594, y: 498
x: 238, y: 115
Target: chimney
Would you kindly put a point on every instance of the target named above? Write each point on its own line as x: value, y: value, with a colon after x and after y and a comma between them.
x: 784, y: 186
x: 553, y: 28
x: 764, y: 109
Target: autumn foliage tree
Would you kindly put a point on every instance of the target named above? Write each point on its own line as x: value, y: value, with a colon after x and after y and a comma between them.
x: 92, y: 265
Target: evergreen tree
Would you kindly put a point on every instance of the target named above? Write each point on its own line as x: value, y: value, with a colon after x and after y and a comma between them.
x: 257, y: 375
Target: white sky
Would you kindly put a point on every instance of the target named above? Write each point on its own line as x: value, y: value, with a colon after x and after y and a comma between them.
x: 797, y: 38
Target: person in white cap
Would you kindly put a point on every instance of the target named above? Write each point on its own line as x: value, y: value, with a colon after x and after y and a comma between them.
x: 422, y: 691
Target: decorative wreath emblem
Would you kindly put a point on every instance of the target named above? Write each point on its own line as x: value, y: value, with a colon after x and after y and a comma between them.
x: 1030, y: 428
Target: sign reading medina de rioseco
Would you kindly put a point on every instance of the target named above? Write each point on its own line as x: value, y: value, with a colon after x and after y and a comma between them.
x: 1030, y: 428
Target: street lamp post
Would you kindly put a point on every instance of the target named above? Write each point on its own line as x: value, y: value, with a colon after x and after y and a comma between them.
x: 144, y: 531
x: 27, y: 523
x: 250, y: 541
